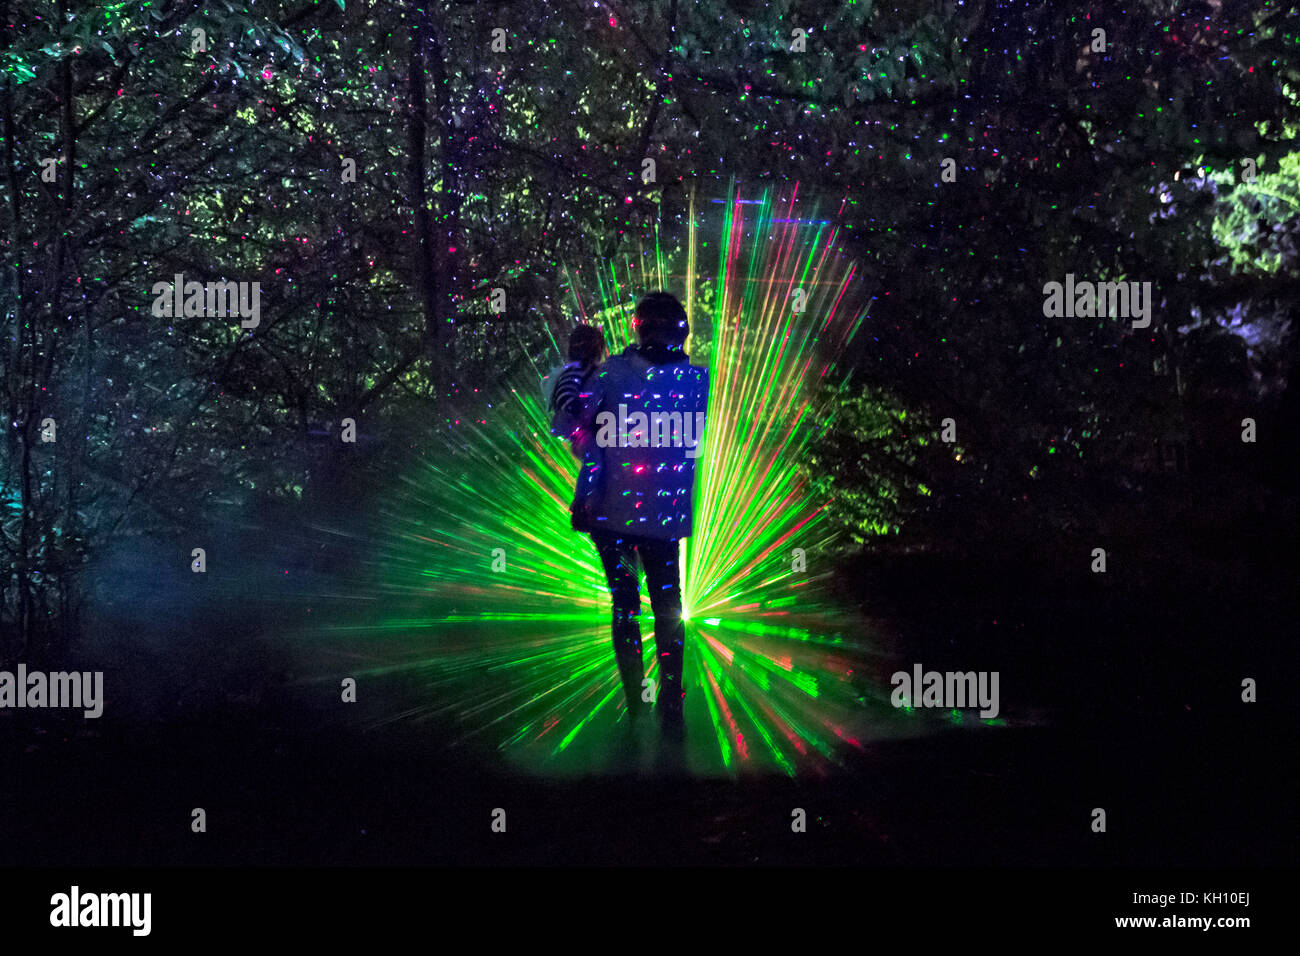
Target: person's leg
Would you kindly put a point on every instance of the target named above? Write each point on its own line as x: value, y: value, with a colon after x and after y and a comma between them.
x: 618, y: 557
x: 663, y: 580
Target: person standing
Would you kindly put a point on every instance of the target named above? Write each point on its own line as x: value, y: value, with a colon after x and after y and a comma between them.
x: 635, y: 493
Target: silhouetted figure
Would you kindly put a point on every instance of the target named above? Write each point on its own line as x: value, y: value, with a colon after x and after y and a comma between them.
x: 644, y: 417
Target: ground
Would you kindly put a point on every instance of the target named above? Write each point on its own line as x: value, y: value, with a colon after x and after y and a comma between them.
x: 1126, y: 698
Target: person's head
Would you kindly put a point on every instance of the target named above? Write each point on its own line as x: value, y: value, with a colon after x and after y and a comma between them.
x: 661, y: 321
x: 586, y: 345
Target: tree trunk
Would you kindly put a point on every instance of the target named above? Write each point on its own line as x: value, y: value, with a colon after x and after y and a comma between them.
x: 427, y: 270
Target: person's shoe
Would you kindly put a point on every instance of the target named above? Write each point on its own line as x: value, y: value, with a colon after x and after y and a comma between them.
x: 628, y: 741
x: 672, y: 723
x: 672, y: 762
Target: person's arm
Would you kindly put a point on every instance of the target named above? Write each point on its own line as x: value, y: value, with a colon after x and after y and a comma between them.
x: 586, y: 496
x: 562, y: 404
x: 565, y: 398
x: 588, y: 398
x: 702, y: 403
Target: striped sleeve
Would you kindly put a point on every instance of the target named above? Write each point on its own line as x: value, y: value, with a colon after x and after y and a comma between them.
x: 567, y: 389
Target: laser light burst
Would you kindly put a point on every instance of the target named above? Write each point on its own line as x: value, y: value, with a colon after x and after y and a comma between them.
x: 502, y: 608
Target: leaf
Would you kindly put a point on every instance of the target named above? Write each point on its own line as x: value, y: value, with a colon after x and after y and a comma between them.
x: 340, y: 3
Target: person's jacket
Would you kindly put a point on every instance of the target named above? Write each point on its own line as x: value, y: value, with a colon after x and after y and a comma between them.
x: 644, y: 416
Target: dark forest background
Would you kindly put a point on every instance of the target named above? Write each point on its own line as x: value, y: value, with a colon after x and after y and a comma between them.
x: 478, y: 169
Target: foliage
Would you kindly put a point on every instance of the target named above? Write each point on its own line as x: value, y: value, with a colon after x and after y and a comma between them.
x: 479, y: 169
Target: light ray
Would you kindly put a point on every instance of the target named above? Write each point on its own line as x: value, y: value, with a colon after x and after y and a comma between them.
x: 507, y: 606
